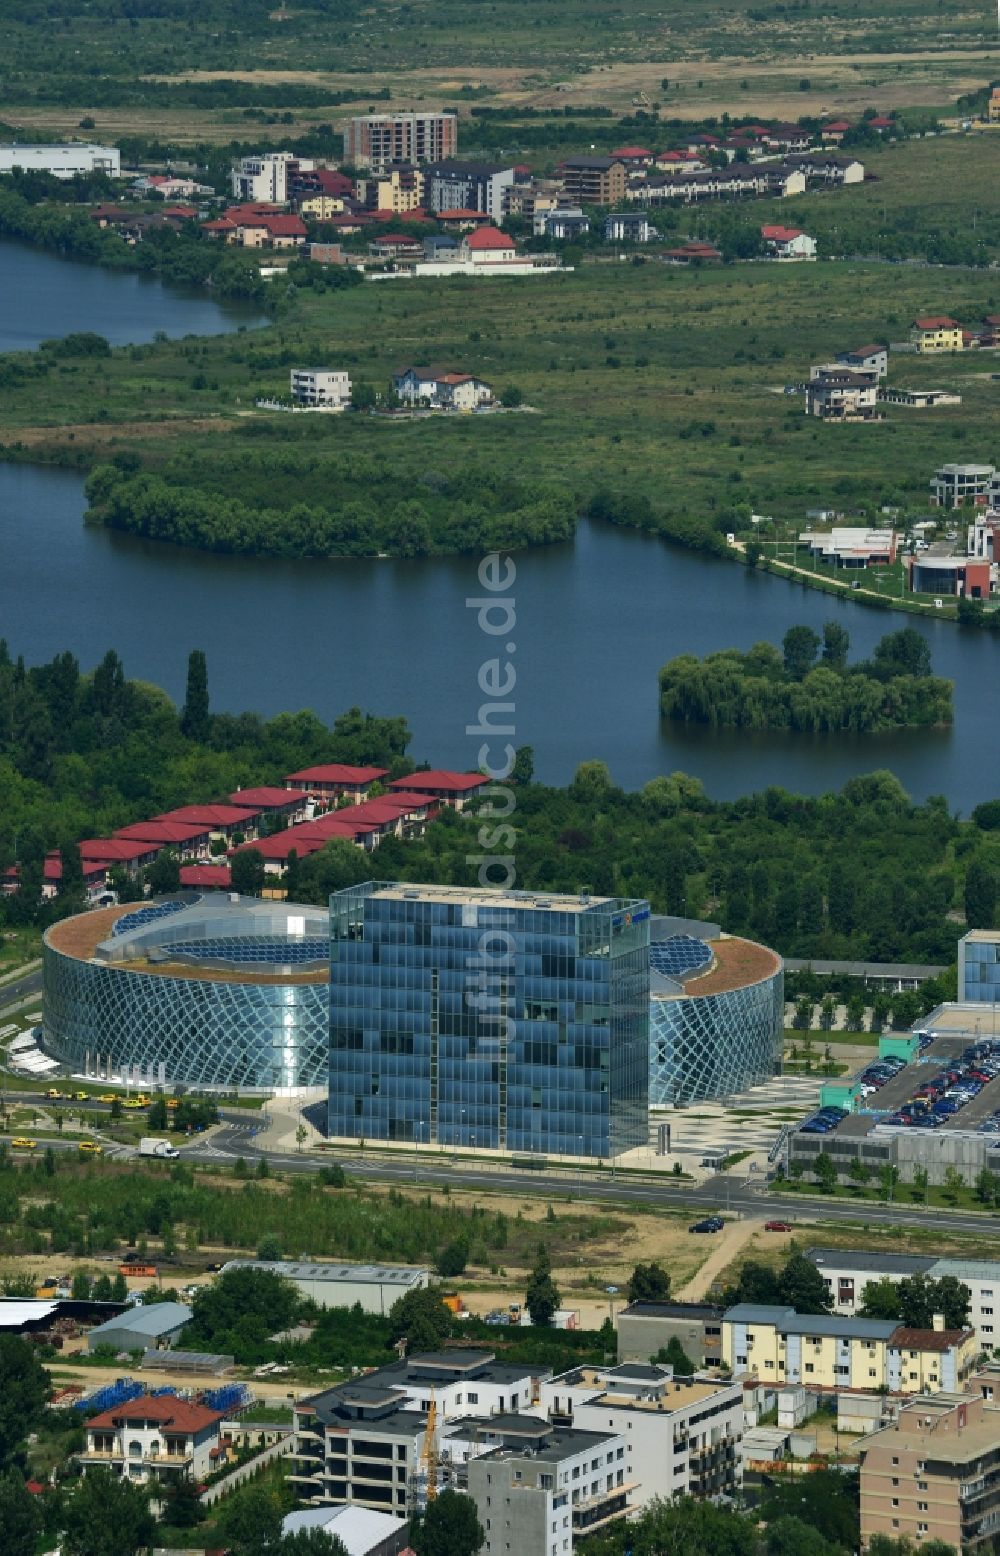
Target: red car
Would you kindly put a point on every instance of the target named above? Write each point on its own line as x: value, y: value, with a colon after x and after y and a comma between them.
x: 777, y: 1226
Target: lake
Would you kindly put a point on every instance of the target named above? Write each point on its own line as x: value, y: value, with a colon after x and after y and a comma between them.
x: 594, y: 622
x: 43, y: 296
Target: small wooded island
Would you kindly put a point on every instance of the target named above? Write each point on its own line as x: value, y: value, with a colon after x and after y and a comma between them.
x: 809, y: 685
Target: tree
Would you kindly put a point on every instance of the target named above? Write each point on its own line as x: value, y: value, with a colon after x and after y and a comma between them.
x: 542, y: 1295
x: 449, y: 1526
x: 791, y: 1536
x: 20, y: 1517
x: 799, y: 648
x: 902, y: 653
x: 801, y: 1286
x: 421, y: 1318
x: 524, y: 765
x: 827, y: 1012
x: 270, y: 1249
x: 245, y: 1304
x: 987, y: 1187
x: 888, y: 1178
x: 858, y: 1172
x: 802, y: 1015
x: 23, y: 1389
x: 453, y: 1258
x: 312, y: 1542
x: 880, y: 1299
x: 163, y: 876
x: 825, y: 1500
x: 247, y: 872
x: 921, y: 1179
x: 183, y: 1505
x: 953, y: 1184
x: 980, y: 894
x: 855, y: 1013
x: 157, y: 1116
x: 648, y: 1283
x: 836, y: 645
x: 72, y: 893
x: 195, y: 722
x: 511, y: 397
x: 756, y: 1283
x: 107, y: 1515
x: 250, y: 1522
x: 825, y: 1171
x: 674, y: 1355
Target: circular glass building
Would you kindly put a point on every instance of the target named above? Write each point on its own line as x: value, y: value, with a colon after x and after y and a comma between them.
x: 716, y: 1013
x: 208, y: 991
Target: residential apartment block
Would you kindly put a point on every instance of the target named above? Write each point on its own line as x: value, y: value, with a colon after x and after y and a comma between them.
x: 547, y: 1487
x: 682, y: 1436
x: 842, y: 394
x: 847, y: 1271
x: 364, y: 1442
x: 542, y: 1047
x: 827, y: 1352
x: 934, y: 1473
x: 266, y: 177
x: 467, y: 186
x: 594, y: 180
x: 377, y: 139
x: 647, y: 1327
x: 398, y: 187
x: 953, y: 485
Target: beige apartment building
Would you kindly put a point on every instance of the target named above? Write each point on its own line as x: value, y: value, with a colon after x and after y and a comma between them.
x: 377, y: 139
x: 934, y: 1474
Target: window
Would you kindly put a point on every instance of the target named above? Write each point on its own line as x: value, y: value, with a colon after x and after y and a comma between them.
x: 473, y: 1399
x: 809, y: 1367
x: 921, y: 1529
x: 895, y: 1525
x: 921, y: 1485
x: 871, y: 1372
x: 895, y: 1461
x: 921, y: 1507
x: 895, y: 1479
x: 988, y: 1310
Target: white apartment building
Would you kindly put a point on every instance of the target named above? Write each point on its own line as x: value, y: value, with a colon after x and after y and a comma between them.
x: 321, y: 388
x: 848, y: 1271
x: 952, y: 485
x: 681, y: 1436
x: 63, y: 161
x: 264, y: 178
x: 154, y: 1438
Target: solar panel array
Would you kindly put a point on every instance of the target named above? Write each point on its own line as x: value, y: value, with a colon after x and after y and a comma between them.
x: 248, y: 950
x: 679, y: 954
x: 145, y: 916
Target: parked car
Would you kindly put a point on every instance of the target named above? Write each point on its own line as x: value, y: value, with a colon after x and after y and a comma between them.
x: 777, y: 1226
x: 709, y: 1224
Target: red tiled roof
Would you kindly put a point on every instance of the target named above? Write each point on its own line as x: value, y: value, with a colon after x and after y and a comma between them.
x: 936, y: 322
x: 221, y: 224
x: 212, y: 875
x: 632, y: 152
x: 285, y: 226
x: 185, y: 211
x: 337, y: 772
x: 268, y: 796
x: 411, y: 799
x: 460, y: 213
x: 489, y: 238
x: 880, y: 122
x: 113, y: 848
x: 162, y: 831
x: 864, y: 351
x: 172, y: 1414
x: 212, y: 815
x: 281, y: 844
x: 780, y: 234
x: 52, y: 869
x: 838, y: 126
x: 395, y: 239
x: 440, y: 778
x: 906, y: 1339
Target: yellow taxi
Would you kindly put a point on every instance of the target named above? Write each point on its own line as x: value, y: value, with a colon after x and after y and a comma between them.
x: 82, y: 1096
x: 53, y: 1093
x: 108, y: 1096
x: 135, y: 1102
x: 22, y: 1143
x: 173, y: 1102
x: 91, y: 1146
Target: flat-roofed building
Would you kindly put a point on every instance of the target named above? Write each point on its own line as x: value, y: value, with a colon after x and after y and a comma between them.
x: 594, y: 180
x: 544, y: 1488
x: 379, y: 139
x: 851, y: 545
x: 553, y: 1060
x: 644, y: 1328
x: 682, y: 1435
x: 67, y: 161
x: 374, y: 1287
x: 952, y: 485
x: 960, y: 576
x: 321, y: 388
x: 934, y: 1473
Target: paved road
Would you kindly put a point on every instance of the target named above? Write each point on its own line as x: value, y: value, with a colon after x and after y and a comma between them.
x: 742, y: 1197
x: 20, y: 989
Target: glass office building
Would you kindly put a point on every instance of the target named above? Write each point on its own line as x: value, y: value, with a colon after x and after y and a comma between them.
x: 484, y: 1018
x: 207, y: 992
x: 716, y: 1021
x: 979, y: 967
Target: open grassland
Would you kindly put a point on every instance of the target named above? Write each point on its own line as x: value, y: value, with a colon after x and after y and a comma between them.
x: 645, y: 379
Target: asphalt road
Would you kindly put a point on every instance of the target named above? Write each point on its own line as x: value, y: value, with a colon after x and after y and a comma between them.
x: 728, y: 1196
x: 20, y: 989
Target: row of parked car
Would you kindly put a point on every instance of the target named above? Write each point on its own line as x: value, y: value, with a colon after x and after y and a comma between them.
x: 874, y: 1077
x: 824, y: 1122
x: 947, y: 1092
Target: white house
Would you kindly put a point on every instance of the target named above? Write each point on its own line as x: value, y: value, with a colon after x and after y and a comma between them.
x: 441, y: 390
x: 788, y: 243
x: 154, y: 1438
x: 869, y: 359
x: 567, y: 221
x: 317, y: 386
x: 488, y: 246
x: 628, y: 227
x: 264, y: 178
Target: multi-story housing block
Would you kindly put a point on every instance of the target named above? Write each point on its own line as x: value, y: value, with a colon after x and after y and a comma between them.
x: 934, y: 1474
x: 378, y: 139
x: 826, y: 1352
x: 682, y: 1435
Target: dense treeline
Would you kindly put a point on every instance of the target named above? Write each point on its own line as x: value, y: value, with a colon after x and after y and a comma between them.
x: 765, y: 689
x: 182, y: 258
x: 862, y: 874
x: 311, y: 505
x: 114, y: 92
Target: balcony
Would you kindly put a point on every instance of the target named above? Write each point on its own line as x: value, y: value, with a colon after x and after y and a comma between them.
x: 603, y: 1509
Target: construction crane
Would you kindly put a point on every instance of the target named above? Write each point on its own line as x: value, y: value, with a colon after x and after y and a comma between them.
x: 429, y: 1453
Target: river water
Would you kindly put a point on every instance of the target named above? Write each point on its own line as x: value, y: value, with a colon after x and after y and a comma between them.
x: 594, y: 619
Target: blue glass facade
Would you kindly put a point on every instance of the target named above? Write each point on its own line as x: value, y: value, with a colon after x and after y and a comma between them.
x: 478, y: 1018
x: 979, y: 967
x: 711, y: 1045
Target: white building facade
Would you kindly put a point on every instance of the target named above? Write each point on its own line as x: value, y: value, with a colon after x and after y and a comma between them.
x: 317, y: 386
x: 62, y: 161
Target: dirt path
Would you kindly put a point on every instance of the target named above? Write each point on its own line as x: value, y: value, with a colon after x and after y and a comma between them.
x: 727, y: 1245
